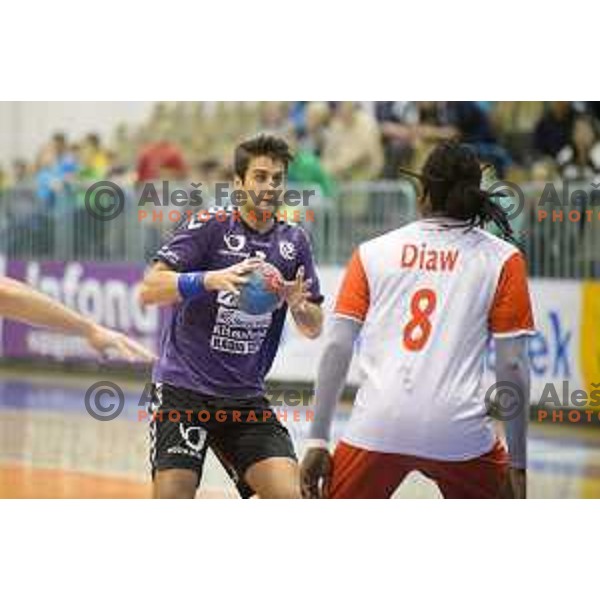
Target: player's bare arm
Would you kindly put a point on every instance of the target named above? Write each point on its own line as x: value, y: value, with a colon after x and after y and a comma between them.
x: 307, y: 315
x: 309, y: 319
x: 23, y: 303
x: 162, y: 286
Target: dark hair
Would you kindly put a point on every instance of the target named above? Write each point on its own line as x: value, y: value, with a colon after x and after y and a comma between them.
x: 93, y: 139
x: 451, y: 180
x: 272, y: 146
x: 59, y: 138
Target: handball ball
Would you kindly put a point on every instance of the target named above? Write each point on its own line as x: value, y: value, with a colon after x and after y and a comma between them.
x: 263, y: 293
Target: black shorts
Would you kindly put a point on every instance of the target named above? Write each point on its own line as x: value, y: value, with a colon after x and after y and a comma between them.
x: 240, y: 432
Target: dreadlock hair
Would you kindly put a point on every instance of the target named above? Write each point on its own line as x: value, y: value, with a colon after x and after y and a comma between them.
x: 451, y: 180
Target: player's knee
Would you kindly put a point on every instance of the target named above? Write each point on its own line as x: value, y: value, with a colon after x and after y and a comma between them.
x: 168, y: 492
x: 168, y: 486
x: 281, y: 492
x: 275, y: 478
x: 292, y: 494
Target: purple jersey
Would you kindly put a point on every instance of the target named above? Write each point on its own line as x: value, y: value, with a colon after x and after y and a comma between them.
x: 208, y: 345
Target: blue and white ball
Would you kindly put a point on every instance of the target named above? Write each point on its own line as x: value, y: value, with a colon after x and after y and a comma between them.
x: 263, y: 293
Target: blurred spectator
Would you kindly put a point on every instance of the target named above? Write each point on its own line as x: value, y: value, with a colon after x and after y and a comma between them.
x: 122, y: 146
x: 353, y: 149
x: 115, y: 169
x: 543, y: 171
x: 317, y: 116
x: 273, y: 118
x: 580, y: 159
x: 473, y: 123
x: 514, y: 123
x: 307, y: 172
x: 161, y: 159
x: 159, y: 115
x: 248, y: 118
x: 3, y: 182
x: 209, y: 172
x: 179, y: 116
x: 22, y: 186
x: 49, y: 176
x: 465, y: 121
x: 593, y: 108
x: 76, y: 155
x: 297, y: 116
x: 411, y: 129
x: 486, y: 105
x: 434, y: 121
x: 94, y: 156
x: 20, y: 173
x: 397, y: 121
x: 432, y: 126
x: 553, y: 130
x: 65, y: 162
x: 475, y: 128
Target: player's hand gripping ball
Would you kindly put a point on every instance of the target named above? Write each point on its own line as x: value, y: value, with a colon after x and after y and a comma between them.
x: 263, y: 292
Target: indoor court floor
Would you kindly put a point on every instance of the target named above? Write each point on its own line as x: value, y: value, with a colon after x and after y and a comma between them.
x: 50, y: 447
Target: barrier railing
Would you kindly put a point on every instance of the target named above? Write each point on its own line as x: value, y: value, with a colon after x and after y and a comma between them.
x: 561, y: 241
x: 559, y: 230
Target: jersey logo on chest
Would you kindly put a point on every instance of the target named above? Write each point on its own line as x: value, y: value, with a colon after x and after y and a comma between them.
x: 287, y: 250
x: 234, y: 242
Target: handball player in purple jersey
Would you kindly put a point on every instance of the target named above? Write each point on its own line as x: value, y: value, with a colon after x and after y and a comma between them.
x: 214, y: 357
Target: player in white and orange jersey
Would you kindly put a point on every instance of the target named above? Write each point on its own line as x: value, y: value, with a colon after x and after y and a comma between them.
x: 425, y: 298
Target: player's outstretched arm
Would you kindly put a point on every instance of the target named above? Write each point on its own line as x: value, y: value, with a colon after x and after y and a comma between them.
x: 163, y: 286
x: 159, y: 286
x: 23, y: 303
x: 331, y: 378
x: 307, y: 315
x: 512, y: 366
x: 309, y: 319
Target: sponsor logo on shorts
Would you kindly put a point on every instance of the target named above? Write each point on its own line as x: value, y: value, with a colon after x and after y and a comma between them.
x: 195, y: 437
x: 184, y: 451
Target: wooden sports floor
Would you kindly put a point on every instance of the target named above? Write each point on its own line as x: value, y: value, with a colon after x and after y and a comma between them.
x: 50, y: 447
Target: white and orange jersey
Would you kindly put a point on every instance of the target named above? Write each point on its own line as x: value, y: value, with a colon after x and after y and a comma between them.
x: 429, y: 296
